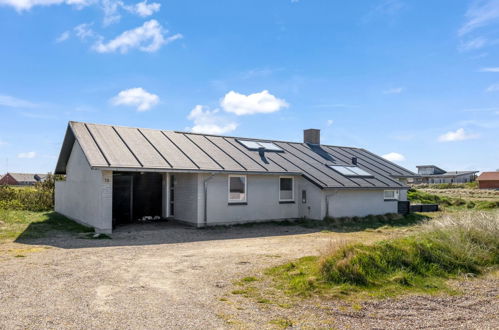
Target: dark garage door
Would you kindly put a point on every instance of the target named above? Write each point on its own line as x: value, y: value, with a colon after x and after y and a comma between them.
x: 136, y: 195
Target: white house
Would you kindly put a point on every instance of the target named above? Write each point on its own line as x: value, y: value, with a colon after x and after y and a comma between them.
x: 116, y: 175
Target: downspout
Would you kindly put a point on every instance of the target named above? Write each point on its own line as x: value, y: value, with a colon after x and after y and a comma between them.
x: 327, y: 202
x: 205, y: 213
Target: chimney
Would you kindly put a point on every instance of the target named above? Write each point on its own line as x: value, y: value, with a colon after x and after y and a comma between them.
x: 312, y: 136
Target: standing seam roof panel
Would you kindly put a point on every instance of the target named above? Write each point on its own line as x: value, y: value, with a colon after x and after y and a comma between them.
x: 271, y: 167
x: 307, y: 152
x: 238, y: 155
x: 87, y: 143
x: 143, y: 150
x: 195, y: 153
x: 225, y: 161
x: 375, y: 170
x: 168, y: 150
x: 113, y: 148
x: 395, y: 169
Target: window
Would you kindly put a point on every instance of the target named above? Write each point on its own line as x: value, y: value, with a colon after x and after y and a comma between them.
x: 286, y: 193
x: 350, y: 171
x: 237, y: 188
x: 304, y: 196
x: 391, y: 195
x: 255, y: 145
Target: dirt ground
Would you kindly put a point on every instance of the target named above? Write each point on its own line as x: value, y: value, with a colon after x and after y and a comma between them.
x: 171, y: 276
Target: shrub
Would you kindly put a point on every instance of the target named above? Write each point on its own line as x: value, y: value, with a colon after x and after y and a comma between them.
x: 37, y: 198
x: 446, y: 247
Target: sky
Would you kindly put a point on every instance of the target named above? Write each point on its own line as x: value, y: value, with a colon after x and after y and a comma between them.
x: 415, y: 81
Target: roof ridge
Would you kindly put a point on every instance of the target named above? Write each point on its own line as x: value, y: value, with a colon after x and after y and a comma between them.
x: 214, y: 135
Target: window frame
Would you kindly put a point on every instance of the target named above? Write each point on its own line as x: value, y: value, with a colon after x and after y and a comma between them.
x: 292, y: 199
x: 396, y: 195
x: 237, y: 201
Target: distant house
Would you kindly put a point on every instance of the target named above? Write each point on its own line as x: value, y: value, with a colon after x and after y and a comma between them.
x: 434, y: 174
x: 488, y: 180
x: 117, y: 175
x: 21, y: 179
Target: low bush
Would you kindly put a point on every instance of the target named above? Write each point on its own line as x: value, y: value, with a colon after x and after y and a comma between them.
x: 421, y: 197
x: 464, y: 243
x: 468, y: 185
x: 36, y: 198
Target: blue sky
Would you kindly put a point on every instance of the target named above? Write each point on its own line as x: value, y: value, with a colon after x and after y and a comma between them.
x: 417, y: 81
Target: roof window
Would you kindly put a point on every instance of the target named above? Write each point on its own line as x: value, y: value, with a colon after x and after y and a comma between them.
x: 256, y: 145
x: 350, y: 171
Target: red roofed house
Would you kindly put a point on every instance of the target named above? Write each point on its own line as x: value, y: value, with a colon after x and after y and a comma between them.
x: 488, y: 180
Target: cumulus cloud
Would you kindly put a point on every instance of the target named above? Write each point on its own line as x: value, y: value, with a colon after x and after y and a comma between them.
x: 395, y: 90
x: 148, y: 38
x: 144, y: 9
x: 459, y: 135
x: 394, y: 157
x: 481, y: 13
x: 136, y: 97
x: 13, y: 102
x: 84, y: 31
x: 262, y: 102
x: 329, y: 122
x: 30, y: 154
x: 209, y: 121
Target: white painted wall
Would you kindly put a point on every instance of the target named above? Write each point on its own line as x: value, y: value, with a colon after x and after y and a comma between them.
x: 262, y: 200
x: 87, y: 195
x: 187, y: 195
x: 358, y: 203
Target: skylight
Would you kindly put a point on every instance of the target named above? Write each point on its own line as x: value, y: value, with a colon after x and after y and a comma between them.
x: 255, y: 145
x: 350, y: 171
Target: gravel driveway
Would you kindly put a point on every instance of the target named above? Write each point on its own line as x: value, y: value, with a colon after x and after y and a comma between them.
x: 162, y: 276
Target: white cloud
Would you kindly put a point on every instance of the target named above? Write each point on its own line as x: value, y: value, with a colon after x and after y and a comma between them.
x: 495, y: 69
x: 395, y: 90
x: 30, y: 154
x: 111, y: 11
x: 137, y: 97
x: 209, y: 122
x: 262, y: 102
x: 329, y: 122
x: 459, y: 135
x: 21, y: 5
x: 144, y: 9
x: 493, y: 88
x: 12, y: 102
x: 63, y: 36
x: 148, y: 38
x: 394, y: 157
x: 84, y: 31
x: 473, y: 44
x: 481, y: 13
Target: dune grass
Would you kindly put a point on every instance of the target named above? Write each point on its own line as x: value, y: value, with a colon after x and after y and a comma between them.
x: 465, y: 243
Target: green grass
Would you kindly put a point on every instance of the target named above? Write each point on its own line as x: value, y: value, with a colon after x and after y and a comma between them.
x: 466, y: 243
x: 420, y: 197
x: 468, y: 185
x: 282, y: 323
x: 18, y: 225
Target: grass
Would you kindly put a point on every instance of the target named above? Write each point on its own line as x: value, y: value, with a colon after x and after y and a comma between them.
x: 421, y: 197
x: 282, y: 323
x: 456, y: 244
x: 18, y: 225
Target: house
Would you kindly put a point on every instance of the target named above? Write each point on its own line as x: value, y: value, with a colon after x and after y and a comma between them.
x: 21, y: 179
x: 434, y: 174
x: 117, y: 175
x: 488, y: 180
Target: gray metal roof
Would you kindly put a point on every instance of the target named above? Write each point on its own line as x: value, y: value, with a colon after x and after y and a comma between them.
x: 138, y: 149
x: 449, y: 174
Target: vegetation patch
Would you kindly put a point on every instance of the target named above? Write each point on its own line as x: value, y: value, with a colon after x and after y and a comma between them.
x: 19, y: 225
x: 282, y: 323
x: 458, y: 244
x: 421, y: 197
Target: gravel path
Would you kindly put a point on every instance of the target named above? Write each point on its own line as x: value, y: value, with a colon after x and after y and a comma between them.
x: 170, y: 276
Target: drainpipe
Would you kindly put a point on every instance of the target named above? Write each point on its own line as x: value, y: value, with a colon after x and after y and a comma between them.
x: 327, y: 202
x: 205, y: 184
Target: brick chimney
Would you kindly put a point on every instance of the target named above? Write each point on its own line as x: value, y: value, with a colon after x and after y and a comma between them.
x: 312, y: 136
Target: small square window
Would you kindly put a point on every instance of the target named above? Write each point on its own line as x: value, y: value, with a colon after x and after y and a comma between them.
x: 391, y: 195
x: 237, y: 188
x: 286, y: 192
